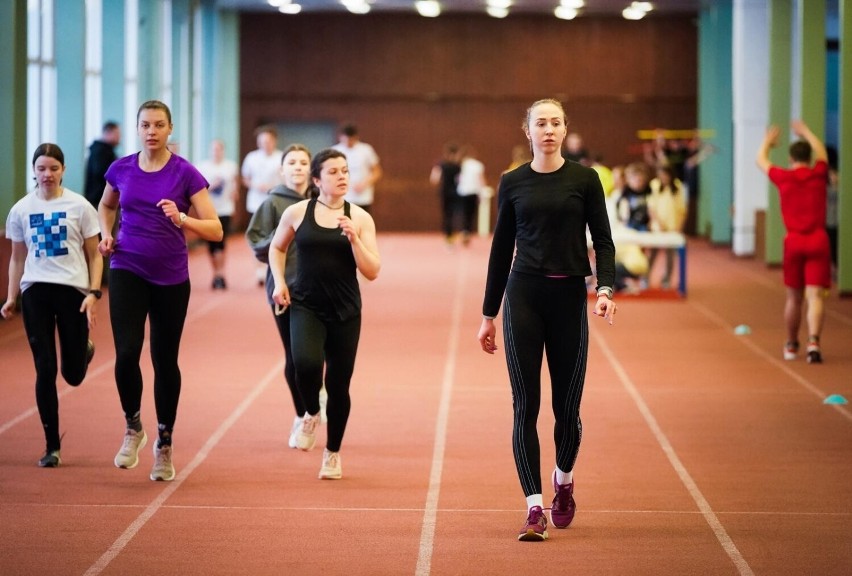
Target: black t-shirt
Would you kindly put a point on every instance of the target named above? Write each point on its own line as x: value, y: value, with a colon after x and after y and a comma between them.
x: 541, y: 222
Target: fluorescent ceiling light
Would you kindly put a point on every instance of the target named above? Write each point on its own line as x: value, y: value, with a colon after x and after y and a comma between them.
x: 565, y: 13
x: 575, y: 4
x: 499, y: 3
x: 643, y: 6
x: 428, y: 8
x: 631, y: 13
x: 497, y: 11
x: 356, y: 6
x: 290, y: 8
x: 277, y: 3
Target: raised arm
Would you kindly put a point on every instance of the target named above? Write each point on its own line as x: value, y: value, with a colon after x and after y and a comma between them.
x: 770, y: 140
x: 801, y: 129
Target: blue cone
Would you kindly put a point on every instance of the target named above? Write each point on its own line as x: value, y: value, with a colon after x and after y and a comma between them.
x: 835, y: 399
x: 742, y: 330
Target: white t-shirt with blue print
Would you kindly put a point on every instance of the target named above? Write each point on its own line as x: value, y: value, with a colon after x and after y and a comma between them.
x: 54, y: 231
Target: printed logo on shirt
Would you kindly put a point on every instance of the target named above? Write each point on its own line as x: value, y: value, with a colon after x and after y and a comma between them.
x: 49, y: 235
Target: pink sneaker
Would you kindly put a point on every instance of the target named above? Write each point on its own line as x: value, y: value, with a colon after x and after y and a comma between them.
x: 563, y: 507
x: 535, y: 529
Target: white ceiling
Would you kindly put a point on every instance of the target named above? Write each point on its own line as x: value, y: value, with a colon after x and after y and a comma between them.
x: 593, y: 7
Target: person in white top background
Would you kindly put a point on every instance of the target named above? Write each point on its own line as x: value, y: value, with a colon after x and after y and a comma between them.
x: 260, y: 175
x: 56, y: 269
x: 471, y: 183
x: 222, y: 174
x: 364, y: 167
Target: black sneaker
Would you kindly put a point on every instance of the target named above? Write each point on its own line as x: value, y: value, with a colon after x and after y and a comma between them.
x: 50, y: 459
x: 90, y: 352
x: 813, y: 351
x: 219, y: 283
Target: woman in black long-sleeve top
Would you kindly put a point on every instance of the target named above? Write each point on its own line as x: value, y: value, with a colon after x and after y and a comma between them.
x: 539, y: 260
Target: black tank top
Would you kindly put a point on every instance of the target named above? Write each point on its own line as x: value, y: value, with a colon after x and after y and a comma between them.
x: 326, y: 280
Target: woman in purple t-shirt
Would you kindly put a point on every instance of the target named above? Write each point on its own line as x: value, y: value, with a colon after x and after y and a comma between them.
x: 149, y: 274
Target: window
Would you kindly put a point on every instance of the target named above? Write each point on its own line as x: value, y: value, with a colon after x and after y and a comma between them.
x: 41, y: 75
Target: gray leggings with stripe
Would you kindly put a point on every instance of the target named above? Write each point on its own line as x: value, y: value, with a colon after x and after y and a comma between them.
x: 544, y: 315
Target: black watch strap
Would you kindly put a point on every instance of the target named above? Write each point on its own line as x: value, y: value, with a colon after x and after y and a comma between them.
x: 97, y: 293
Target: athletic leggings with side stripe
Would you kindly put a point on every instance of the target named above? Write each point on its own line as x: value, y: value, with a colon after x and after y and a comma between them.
x: 545, y: 315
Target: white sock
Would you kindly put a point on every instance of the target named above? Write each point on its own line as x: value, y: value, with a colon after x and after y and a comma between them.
x: 564, y: 477
x: 535, y: 500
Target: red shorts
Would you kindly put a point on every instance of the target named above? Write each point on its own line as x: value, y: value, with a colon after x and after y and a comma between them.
x: 807, y: 260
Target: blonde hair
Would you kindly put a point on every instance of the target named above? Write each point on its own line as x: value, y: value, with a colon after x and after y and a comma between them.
x: 553, y: 101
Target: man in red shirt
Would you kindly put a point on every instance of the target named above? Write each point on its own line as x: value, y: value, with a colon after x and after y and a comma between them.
x: 807, y: 256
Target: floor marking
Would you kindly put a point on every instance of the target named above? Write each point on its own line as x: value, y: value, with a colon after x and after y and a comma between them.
x: 33, y: 410
x: 171, y: 487
x: 430, y: 513
x: 212, y: 507
x: 781, y: 365
x: 709, y: 516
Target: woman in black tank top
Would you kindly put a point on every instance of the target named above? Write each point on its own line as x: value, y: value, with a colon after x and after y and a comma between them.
x: 334, y: 241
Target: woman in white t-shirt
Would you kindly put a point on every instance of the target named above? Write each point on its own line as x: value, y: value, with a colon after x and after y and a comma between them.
x: 56, y: 269
x: 471, y: 184
x: 222, y: 175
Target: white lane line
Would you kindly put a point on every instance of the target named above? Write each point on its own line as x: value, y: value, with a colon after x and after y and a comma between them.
x: 420, y: 510
x: 33, y: 410
x: 781, y: 365
x: 703, y: 506
x: 115, y: 549
x: 430, y: 513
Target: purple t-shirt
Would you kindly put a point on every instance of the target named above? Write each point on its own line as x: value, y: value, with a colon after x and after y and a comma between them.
x: 148, y: 243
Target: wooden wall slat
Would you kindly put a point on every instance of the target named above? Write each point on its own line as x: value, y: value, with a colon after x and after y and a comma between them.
x: 412, y: 83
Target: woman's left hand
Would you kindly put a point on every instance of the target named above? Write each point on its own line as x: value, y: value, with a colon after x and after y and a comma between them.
x: 347, y: 228
x: 89, y: 306
x: 170, y: 210
x: 606, y: 308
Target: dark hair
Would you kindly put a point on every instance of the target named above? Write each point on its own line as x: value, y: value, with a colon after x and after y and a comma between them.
x: 349, y: 130
x: 266, y: 128
x: 672, y: 177
x: 321, y: 157
x: 49, y: 150
x: 800, y: 151
x: 154, y: 105
x: 109, y: 125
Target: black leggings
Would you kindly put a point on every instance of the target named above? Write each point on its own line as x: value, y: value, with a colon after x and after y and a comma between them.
x: 319, y: 343
x: 545, y: 315
x: 49, y: 309
x: 283, y: 323
x: 132, y: 300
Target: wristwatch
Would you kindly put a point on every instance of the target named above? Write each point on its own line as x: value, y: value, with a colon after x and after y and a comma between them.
x: 96, y: 293
x: 605, y: 291
x: 182, y: 217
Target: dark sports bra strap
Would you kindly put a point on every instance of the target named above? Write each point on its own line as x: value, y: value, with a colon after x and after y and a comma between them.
x: 346, y: 209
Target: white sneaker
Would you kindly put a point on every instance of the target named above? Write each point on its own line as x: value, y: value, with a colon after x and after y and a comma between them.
x: 331, y: 466
x: 128, y: 456
x: 294, y: 432
x: 323, y: 400
x: 307, y: 436
x: 163, y: 470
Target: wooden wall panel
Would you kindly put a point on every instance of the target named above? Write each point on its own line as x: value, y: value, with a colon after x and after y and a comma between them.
x: 413, y: 83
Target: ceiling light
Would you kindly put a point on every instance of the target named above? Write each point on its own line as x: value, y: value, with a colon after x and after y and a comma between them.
x: 499, y: 3
x: 290, y: 8
x: 575, y: 4
x: 277, y: 3
x: 631, y: 13
x: 643, y: 6
x: 428, y: 8
x: 565, y: 13
x: 356, y: 6
x: 497, y: 11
